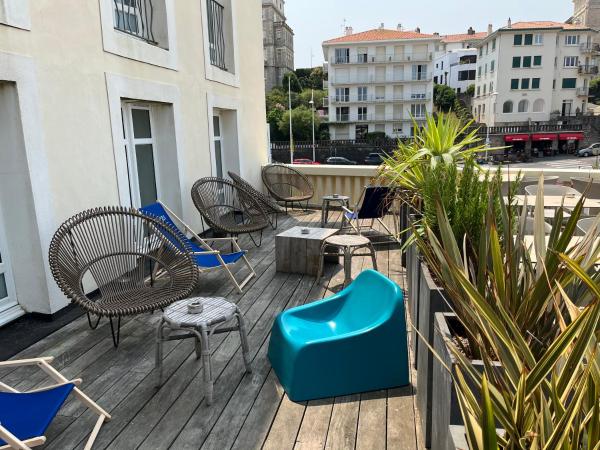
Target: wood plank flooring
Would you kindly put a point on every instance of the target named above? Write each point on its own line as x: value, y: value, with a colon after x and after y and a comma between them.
x: 250, y: 411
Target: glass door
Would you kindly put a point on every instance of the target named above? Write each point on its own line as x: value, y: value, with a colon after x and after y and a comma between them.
x: 9, y: 307
x: 140, y: 148
x: 218, y: 141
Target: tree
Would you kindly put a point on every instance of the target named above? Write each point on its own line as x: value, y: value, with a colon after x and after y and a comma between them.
x: 595, y: 90
x: 471, y: 90
x: 306, y: 95
x: 310, y: 78
x: 443, y: 97
x: 301, y: 124
x: 295, y: 83
x: 274, y: 117
x: 278, y: 98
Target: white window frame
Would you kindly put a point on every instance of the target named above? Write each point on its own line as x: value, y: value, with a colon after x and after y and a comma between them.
x: 363, y: 93
x: 538, y: 39
x: 130, y: 143
x: 571, y: 59
x: 572, y: 40
x: 418, y: 110
x: 342, y: 95
x: 362, y: 113
x: 341, y: 60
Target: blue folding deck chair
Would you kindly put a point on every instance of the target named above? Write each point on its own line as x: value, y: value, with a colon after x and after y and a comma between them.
x: 205, y: 256
x: 376, y: 203
x: 25, y: 416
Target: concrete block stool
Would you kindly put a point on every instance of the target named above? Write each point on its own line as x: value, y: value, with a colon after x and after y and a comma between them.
x: 347, y: 245
x: 216, y: 312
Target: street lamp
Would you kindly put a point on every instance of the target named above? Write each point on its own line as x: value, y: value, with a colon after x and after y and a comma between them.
x: 312, y: 108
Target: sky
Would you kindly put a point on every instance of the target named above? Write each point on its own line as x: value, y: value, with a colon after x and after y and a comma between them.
x: 315, y: 21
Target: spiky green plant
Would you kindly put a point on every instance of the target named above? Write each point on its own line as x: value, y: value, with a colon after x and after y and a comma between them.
x: 512, y: 296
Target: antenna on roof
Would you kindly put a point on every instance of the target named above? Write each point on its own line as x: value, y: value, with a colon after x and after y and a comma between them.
x: 344, y: 26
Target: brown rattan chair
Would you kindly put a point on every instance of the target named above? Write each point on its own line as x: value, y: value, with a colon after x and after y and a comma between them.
x: 229, y: 208
x: 130, y: 262
x: 287, y: 185
x: 270, y: 205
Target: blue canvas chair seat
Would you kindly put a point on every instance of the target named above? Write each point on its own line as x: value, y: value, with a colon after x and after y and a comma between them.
x: 205, y: 256
x: 354, y: 341
x: 373, y: 204
x: 25, y: 416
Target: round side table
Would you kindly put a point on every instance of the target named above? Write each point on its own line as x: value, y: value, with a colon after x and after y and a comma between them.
x: 343, y: 200
x: 347, y: 244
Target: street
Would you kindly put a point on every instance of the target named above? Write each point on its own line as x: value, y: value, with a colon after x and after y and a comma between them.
x: 558, y: 162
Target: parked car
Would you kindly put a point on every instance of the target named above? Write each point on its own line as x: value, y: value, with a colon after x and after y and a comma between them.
x: 592, y: 150
x: 340, y: 161
x: 374, y: 159
x: 306, y: 161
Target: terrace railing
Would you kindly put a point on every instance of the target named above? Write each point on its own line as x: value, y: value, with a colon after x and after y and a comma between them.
x: 135, y: 17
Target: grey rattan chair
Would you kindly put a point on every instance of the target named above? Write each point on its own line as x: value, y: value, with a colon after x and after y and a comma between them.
x: 229, y: 208
x: 132, y: 263
x: 287, y: 185
x: 268, y: 203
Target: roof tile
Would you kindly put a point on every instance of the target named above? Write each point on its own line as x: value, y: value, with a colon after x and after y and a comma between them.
x: 379, y: 35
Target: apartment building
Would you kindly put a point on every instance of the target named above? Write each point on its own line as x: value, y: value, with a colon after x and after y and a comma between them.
x: 529, y: 71
x: 378, y: 80
x: 278, y: 42
x: 117, y: 102
x: 455, y: 63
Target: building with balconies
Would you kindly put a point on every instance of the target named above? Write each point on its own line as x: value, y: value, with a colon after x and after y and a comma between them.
x: 531, y: 71
x: 379, y: 80
x: 278, y: 43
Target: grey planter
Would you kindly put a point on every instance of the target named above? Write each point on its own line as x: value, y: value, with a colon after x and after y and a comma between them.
x: 446, y: 410
x: 413, y: 282
x: 431, y: 301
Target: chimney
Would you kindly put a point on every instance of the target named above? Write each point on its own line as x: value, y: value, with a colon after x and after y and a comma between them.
x: 348, y: 31
x: 417, y: 30
x: 490, y: 29
x: 381, y: 26
x: 470, y: 31
x: 436, y: 34
x: 399, y: 27
x: 509, y: 23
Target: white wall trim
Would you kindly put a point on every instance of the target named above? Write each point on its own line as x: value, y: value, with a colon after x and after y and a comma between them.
x: 214, y: 73
x: 22, y: 71
x: 122, y: 44
x: 15, y: 13
x: 119, y: 87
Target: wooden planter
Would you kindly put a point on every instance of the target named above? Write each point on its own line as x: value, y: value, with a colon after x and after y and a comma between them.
x: 431, y: 301
x: 413, y: 280
x: 446, y: 415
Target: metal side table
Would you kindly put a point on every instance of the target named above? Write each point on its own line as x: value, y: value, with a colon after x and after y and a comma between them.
x: 343, y: 200
x: 347, y: 244
x: 215, y: 314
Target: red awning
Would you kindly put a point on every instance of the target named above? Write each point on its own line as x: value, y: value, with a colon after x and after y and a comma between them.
x: 571, y: 136
x: 516, y: 138
x: 544, y: 137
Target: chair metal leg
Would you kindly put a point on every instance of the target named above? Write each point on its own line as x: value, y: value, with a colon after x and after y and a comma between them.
x: 244, y: 341
x: 208, y: 381
x: 93, y: 326
x: 373, y: 256
x: 158, y: 364
x: 321, y: 261
x: 116, y: 337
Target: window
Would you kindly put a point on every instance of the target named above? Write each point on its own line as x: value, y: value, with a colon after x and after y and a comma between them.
x: 507, y: 108
x: 362, y: 113
x: 553, y: 84
x: 466, y: 75
x: 529, y: 39
x: 362, y: 93
x: 342, y: 94
x: 342, y: 55
x: 479, y: 71
x: 523, y: 106
x: 478, y: 91
x: 537, y: 60
x: 572, y: 40
x: 492, y: 66
x: 484, y: 89
x: 216, y: 38
x: 362, y: 56
x: 514, y: 84
x: 361, y: 131
x: 518, y: 39
x: 524, y: 83
x: 342, y: 114
x: 494, y: 45
x: 538, y: 39
x: 487, y: 48
x: 526, y: 61
x: 569, y: 83
x: 535, y: 83
x: 486, y: 68
x: 516, y: 62
x: 481, y: 51
x: 418, y: 110
x: 571, y: 61
x: 538, y: 105
x: 419, y: 72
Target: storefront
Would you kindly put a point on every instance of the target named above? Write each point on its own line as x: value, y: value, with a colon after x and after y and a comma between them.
x: 516, y: 144
x: 543, y: 144
x: 569, y: 142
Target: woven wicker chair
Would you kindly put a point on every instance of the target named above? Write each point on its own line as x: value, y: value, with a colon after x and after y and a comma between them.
x: 138, y: 264
x: 287, y: 185
x: 229, y: 208
x: 271, y: 207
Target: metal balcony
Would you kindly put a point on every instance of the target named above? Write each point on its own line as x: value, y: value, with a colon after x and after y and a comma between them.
x: 364, y: 58
x: 135, y: 17
x: 589, y: 47
x: 583, y: 92
x: 588, y: 69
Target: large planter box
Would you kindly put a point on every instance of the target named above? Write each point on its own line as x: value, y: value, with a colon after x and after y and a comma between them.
x: 457, y: 438
x: 431, y: 301
x: 446, y: 413
x: 413, y: 279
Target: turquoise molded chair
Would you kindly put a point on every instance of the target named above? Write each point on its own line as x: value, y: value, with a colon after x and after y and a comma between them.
x: 352, y: 342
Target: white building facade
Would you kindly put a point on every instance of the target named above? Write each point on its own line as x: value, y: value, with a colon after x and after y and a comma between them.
x: 378, y: 80
x: 528, y: 71
x: 119, y: 107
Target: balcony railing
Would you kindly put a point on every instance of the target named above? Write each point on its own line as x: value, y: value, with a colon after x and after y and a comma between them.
x: 583, y: 92
x: 378, y: 98
x: 588, y: 69
x: 370, y: 59
x: 423, y: 77
x: 135, y: 17
x: 589, y: 47
x: 216, y: 38
x: 349, y: 118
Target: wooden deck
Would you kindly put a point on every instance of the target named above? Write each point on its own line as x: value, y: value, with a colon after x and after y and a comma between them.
x: 249, y: 411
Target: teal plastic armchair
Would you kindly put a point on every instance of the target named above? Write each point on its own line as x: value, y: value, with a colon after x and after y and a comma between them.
x: 354, y: 341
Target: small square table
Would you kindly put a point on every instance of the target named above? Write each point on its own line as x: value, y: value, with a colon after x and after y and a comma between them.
x: 299, y: 253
